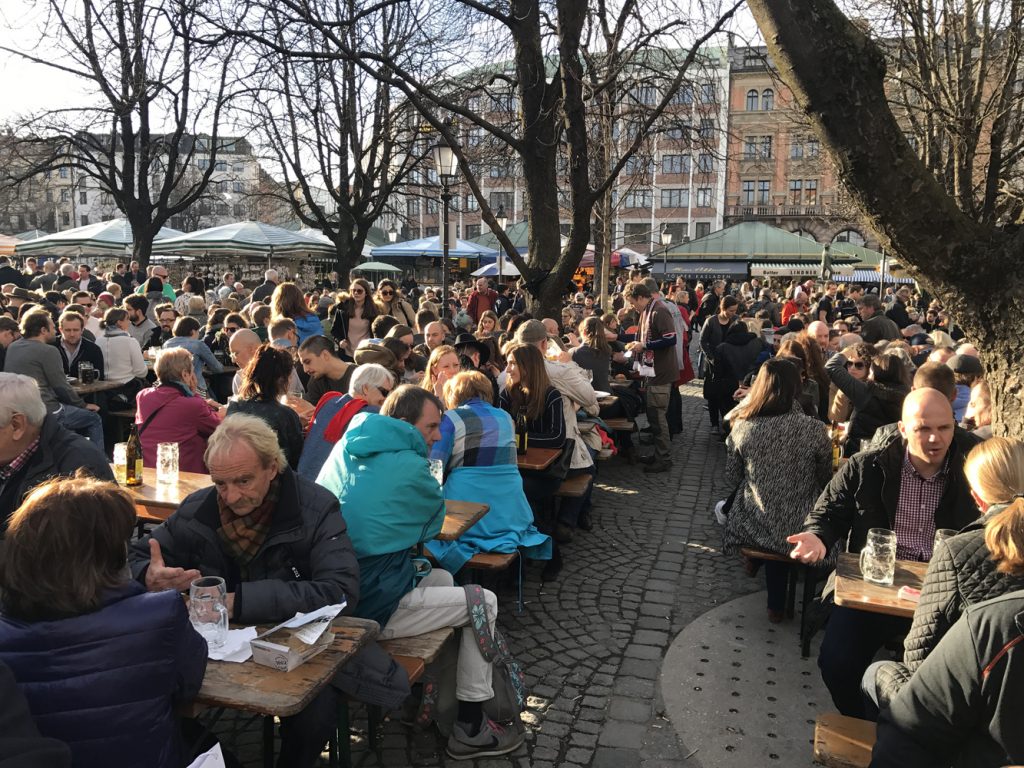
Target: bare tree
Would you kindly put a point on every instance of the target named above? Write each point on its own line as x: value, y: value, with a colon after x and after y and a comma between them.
x: 972, y: 264
x: 159, y: 98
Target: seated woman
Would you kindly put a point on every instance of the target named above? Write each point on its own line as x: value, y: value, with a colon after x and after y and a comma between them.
x: 877, y: 401
x: 858, y: 363
x: 478, y: 448
x: 102, y: 662
x: 984, y: 561
x: 287, y: 301
x: 368, y: 386
x: 264, y: 383
x: 773, y: 497
x: 123, y: 362
x: 594, y: 353
x: 171, y: 411
x: 442, y: 365
x: 186, y: 336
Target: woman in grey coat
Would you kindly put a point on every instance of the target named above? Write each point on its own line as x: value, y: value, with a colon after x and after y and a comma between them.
x: 778, y: 461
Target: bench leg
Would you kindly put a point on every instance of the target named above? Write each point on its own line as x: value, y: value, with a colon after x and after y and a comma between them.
x: 374, y: 717
x: 519, y: 586
x: 794, y: 575
x: 810, y: 582
x: 344, y: 734
x: 268, y: 741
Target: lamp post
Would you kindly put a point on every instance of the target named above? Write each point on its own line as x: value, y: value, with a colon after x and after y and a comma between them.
x: 666, y: 241
x: 392, y: 234
x: 446, y: 164
x: 502, y: 220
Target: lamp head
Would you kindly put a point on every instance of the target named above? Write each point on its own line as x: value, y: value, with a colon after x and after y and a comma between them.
x: 501, y: 217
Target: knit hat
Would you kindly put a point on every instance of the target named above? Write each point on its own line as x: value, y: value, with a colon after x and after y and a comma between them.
x: 531, y: 332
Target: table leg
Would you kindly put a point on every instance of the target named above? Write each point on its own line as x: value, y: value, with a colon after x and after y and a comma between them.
x: 344, y: 735
x: 268, y: 741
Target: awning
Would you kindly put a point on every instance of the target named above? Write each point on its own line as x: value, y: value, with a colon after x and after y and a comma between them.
x: 796, y: 269
x: 701, y: 270
x: 871, y: 277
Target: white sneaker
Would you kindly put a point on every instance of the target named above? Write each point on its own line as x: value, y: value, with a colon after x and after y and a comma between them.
x: 720, y: 515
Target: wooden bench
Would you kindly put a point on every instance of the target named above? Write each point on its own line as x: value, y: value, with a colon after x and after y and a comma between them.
x: 574, y: 487
x: 495, y: 562
x: 810, y: 577
x: 620, y: 425
x: 843, y: 742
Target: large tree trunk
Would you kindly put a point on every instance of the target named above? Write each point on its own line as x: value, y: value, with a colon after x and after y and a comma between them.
x: 836, y: 74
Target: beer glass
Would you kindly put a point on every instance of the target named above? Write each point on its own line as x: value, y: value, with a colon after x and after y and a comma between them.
x: 208, y: 609
x: 167, y: 464
x: 120, y: 462
x: 437, y: 470
x: 878, y: 558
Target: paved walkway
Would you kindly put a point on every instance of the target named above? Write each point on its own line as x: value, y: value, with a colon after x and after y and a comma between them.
x: 593, y: 642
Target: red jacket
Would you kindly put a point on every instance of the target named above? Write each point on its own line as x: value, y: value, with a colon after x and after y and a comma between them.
x: 187, y: 421
x: 480, y: 303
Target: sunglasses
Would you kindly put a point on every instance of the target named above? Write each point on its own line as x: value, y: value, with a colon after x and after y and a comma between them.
x: 383, y: 392
x: 857, y: 365
x: 230, y: 328
x: 387, y: 293
x: 87, y: 306
x: 358, y: 291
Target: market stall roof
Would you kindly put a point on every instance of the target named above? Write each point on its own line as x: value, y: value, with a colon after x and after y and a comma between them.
x: 103, y: 238
x: 795, y: 269
x: 7, y: 243
x: 697, y: 269
x: 31, y: 234
x: 508, y: 269
x: 518, y: 233
x: 431, y: 247
x: 375, y: 266
x: 244, y: 238
x: 871, y: 277
x: 754, y: 240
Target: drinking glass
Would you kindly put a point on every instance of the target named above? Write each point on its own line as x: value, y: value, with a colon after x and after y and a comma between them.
x: 878, y: 558
x: 942, y: 534
x: 437, y: 470
x: 120, y: 462
x: 208, y: 609
x: 167, y: 464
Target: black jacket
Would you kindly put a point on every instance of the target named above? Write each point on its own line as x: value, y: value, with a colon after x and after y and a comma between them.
x: 9, y: 274
x: 865, y: 492
x: 965, y: 704
x: 874, y: 404
x: 961, y: 573
x: 282, y: 419
x: 60, y: 453
x: 263, y: 291
x: 898, y: 314
x: 88, y: 351
x: 306, y: 562
x: 735, y: 358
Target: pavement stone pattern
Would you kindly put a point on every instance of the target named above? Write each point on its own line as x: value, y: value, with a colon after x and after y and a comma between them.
x: 592, y: 643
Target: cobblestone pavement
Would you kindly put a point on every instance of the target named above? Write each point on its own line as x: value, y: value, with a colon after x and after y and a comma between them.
x: 592, y: 642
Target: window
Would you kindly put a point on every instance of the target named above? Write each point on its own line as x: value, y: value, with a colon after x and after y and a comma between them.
x: 49, y: 195
x: 707, y: 93
x: 83, y: 196
x: 911, y: 140
x: 766, y: 147
x: 431, y: 231
x: 106, y: 198
x: 63, y: 173
x: 472, y: 230
x: 412, y: 207
x: 65, y: 195
x: 678, y: 132
x: 498, y: 172
x: 473, y: 103
x: 703, y: 228
x: 471, y: 203
x: 750, y: 145
x: 811, y: 189
x: 237, y: 186
x: 636, y: 234
x: 813, y: 148
x: 796, y: 191
x: 684, y: 95
x: 849, y: 236
x: 497, y: 199
x: 675, y: 198
x: 238, y: 168
x: 221, y: 166
x: 748, y: 193
x: 220, y: 187
x: 678, y: 231
x: 752, y: 100
x: 675, y: 164
x: 637, y: 165
x: 704, y: 197
x: 85, y: 219
x: 643, y: 94
x: 431, y: 205
x: 202, y: 163
x: 707, y: 128
x: 768, y: 99
x: 475, y: 137
x: 65, y: 218
x: 764, y: 189
x: 637, y: 198
x: 796, y: 149
x: 705, y: 163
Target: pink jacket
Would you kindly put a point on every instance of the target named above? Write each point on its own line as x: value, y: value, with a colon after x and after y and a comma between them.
x: 187, y: 421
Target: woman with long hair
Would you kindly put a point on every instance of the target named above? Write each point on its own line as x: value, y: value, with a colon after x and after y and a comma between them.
x: 288, y: 301
x: 100, y: 659
x: 488, y: 331
x: 153, y: 290
x: 876, y: 401
x: 772, y: 496
x: 264, y: 385
x: 442, y: 365
x: 389, y: 302
x: 983, y: 561
x: 351, y: 317
x: 123, y: 362
x: 711, y: 335
x: 190, y: 286
x: 594, y: 354
x: 816, y: 370
x: 528, y: 393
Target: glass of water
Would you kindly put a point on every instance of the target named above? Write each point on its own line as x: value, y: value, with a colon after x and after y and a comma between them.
x: 208, y: 609
x: 167, y: 463
x: 878, y: 558
x: 437, y: 470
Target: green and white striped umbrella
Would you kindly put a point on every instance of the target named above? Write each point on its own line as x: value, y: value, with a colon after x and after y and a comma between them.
x: 244, y: 238
x: 104, y: 238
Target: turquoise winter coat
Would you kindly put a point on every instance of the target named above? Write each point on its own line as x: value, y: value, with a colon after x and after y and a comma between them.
x: 391, y: 502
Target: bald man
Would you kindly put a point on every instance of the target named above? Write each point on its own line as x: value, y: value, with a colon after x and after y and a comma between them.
x: 913, y: 486
x: 242, y: 346
x: 819, y: 332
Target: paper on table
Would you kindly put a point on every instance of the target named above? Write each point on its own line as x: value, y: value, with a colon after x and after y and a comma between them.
x: 236, y: 648
x: 318, y: 621
x: 212, y: 759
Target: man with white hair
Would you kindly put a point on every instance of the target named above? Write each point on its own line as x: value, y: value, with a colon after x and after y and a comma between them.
x: 35, y: 447
x: 265, y: 290
x: 278, y: 540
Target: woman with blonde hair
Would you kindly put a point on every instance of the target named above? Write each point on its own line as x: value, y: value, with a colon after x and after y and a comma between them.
x: 288, y: 301
x: 983, y: 561
x: 442, y: 366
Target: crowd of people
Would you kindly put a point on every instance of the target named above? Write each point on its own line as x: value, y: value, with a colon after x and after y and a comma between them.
x: 334, y: 422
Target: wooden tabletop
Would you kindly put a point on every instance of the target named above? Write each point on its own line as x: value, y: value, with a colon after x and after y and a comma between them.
x: 538, y: 458
x: 459, y: 517
x: 252, y: 687
x: 96, y: 386
x: 853, y: 592
x: 162, y: 500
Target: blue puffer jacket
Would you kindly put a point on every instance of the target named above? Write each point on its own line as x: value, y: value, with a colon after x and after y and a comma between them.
x: 106, y: 683
x: 307, y: 326
x: 380, y: 474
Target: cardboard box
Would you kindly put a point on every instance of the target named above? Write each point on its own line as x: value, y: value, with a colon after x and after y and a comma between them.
x: 281, y: 649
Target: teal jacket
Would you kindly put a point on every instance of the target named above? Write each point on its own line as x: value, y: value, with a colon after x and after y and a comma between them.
x: 391, y: 502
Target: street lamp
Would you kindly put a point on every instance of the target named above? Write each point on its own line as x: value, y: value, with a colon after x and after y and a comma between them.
x: 666, y: 241
x: 446, y: 164
x: 502, y: 220
x: 392, y: 234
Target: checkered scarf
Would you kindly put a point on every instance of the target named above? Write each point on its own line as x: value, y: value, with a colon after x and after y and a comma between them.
x: 243, y: 536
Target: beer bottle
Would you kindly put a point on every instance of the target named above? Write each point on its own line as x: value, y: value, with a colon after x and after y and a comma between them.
x: 133, y: 456
x: 837, y: 448
x: 522, y: 432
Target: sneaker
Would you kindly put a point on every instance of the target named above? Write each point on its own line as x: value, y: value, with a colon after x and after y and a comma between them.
x: 720, y: 516
x: 491, y: 741
x: 563, y: 534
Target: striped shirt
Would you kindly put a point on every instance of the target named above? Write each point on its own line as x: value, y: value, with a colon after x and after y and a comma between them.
x: 549, y: 430
x: 915, y: 511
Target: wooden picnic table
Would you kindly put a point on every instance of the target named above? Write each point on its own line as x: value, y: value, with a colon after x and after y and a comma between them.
x: 538, y: 458
x: 459, y: 517
x: 158, y: 502
x: 101, y: 385
x: 853, y: 592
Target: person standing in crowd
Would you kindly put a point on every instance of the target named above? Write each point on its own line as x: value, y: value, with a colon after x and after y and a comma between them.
x: 482, y: 299
x: 351, y: 317
x: 33, y: 355
x: 772, y: 499
x: 913, y: 486
x: 898, y: 311
x: 191, y: 287
x: 264, y: 383
x: 594, y: 354
x: 825, y: 309
x: 74, y: 348
x: 390, y: 302
x: 171, y: 411
x: 287, y: 302
x: 265, y: 290
x: 978, y: 416
x: 711, y: 335
x: 875, y: 326
x: 88, y: 282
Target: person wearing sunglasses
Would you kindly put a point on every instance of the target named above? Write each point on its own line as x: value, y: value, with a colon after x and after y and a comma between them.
x: 390, y: 302
x: 351, y: 317
x: 858, y: 362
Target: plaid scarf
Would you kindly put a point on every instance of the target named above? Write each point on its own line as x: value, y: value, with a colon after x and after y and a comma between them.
x: 243, y: 536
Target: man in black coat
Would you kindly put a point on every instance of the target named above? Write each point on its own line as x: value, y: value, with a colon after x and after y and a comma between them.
x: 913, y: 486
x: 9, y: 274
x: 74, y: 348
x: 265, y: 290
x: 278, y: 540
x: 34, y: 447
